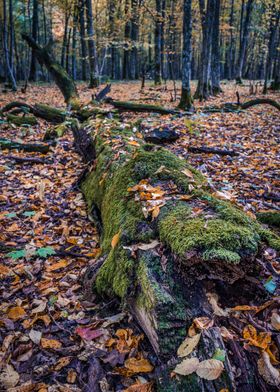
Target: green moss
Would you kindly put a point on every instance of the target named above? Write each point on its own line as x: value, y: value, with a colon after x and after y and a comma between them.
x: 270, y: 218
x: 183, y: 233
x: 271, y: 238
x: 221, y: 254
x: 114, y: 275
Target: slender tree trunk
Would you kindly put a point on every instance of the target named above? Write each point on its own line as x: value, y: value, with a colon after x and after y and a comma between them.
x: 113, y: 60
x: 271, y: 48
x: 186, y: 97
x: 203, y: 88
x: 126, y: 53
x: 158, y: 31
x: 34, y: 34
x: 65, y: 38
x: 9, y: 70
x: 231, y: 45
x: 244, y: 40
x: 74, y: 43
x: 216, y: 61
x: 83, y: 41
x: 93, y: 62
x: 162, y: 49
x: 134, y: 38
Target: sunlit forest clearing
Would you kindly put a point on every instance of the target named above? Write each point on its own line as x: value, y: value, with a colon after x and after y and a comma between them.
x: 139, y: 196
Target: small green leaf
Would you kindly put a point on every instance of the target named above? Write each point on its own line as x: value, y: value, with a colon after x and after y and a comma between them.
x: 270, y: 285
x: 11, y: 215
x: 220, y: 355
x: 17, y: 254
x: 29, y: 213
x: 53, y: 299
x: 45, y: 252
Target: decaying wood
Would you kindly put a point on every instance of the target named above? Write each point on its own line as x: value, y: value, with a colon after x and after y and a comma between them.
x: 31, y: 160
x: 29, y: 147
x: 102, y: 94
x: 83, y: 141
x: 164, y: 286
x: 211, y: 150
x: 138, y: 107
x: 48, y: 113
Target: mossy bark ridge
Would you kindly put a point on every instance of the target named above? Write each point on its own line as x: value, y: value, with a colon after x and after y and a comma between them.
x: 166, y: 241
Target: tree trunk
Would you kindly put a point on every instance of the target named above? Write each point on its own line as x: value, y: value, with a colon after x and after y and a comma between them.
x: 34, y: 34
x: 216, y: 62
x: 9, y: 70
x: 186, y: 96
x: 271, y: 48
x: 158, y: 37
x: 61, y: 77
x: 126, y: 52
x: 134, y: 66
x: 93, y: 61
x: 207, y: 16
x: 83, y: 41
x: 244, y: 40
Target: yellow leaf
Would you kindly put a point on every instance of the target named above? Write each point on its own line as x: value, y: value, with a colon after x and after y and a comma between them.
x: 115, y: 240
x: 188, y: 345
x: 133, y: 143
x: 138, y: 365
x: 210, y: 369
x: 16, y: 313
x: 155, y: 212
x: 261, y: 340
x: 50, y: 343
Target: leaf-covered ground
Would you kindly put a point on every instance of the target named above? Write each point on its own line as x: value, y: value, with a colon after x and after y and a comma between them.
x: 52, y: 337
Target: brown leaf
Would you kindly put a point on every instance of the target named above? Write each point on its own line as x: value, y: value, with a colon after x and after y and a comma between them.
x: 138, y: 365
x: 210, y: 369
x: 188, y: 366
x: 16, y: 313
x: 50, y: 343
x: 269, y: 373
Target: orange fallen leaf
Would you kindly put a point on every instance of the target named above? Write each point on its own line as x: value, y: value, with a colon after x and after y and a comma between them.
x: 57, y: 266
x: 115, y: 240
x: 138, y: 365
x: 50, y: 343
x: 261, y: 340
x: 16, y: 313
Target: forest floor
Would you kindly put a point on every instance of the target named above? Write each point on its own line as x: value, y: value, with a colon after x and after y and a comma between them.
x: 53, y: 338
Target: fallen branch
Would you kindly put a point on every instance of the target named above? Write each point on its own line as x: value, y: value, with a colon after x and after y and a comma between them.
x: 211, y: 150
x: 102, y: 94
x: 45, y: 112
x: 29, y: 147
x: 21, y: 121
x: 124, y: 106
x: 31, y: 160
x: 260, y: 101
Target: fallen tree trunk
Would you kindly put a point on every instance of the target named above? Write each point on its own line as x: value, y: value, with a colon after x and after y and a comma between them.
x: 30, y: 160
x: 169, y: 247
x: 21, y: 121
x: 62, y: 79
x: 211, y: 150
x: 28, y: 147
x: 48, y: 113
x: 140, y: 107
x: 233, y: 107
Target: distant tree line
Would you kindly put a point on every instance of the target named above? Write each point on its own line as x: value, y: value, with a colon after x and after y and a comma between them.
x: 95, y: 40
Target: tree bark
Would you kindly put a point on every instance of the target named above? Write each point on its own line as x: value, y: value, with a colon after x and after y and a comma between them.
x: 61, y: 77
x: 9, y: 70
x: 34, y: 35
x: 158, y: 42
x: 93, y: 61
x: 186, y: 96
x: 216, y: 62
x: 244, y: 40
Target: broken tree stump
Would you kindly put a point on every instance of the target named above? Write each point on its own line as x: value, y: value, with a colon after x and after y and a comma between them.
x: 168, y: 245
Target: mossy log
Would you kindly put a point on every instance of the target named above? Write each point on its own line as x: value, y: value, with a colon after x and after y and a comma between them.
x: 48, y: 113
x: 62, y: 79
x: 28, y: 147
x: 22, y: 121
x: 166, y: 242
